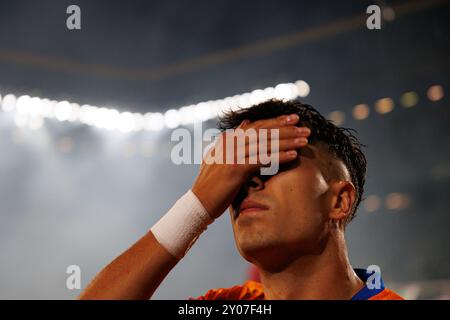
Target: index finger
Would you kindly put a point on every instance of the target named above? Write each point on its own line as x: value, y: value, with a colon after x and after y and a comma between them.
x: 283, y: 120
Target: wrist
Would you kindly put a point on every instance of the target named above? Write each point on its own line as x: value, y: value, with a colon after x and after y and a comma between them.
x: 203, y: 198
x: 181, y: 226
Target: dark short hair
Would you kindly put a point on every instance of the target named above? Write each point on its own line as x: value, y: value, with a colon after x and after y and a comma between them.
x: 341, y: 142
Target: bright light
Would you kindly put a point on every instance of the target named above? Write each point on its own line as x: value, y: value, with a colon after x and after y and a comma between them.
x: 126, y: 122
x: 397, y: 201
x: 232, y: 103
x: 75, y: 112
x: 409, y: 99
x: 139, y: 121
x: 222, y: 108
x: 153, y: 121
x: 384, y: 105
x: 172, y: 118
x: 361, y: 111
x: 187, y: 115
x: 102, y: 117
x: 201, y: 111
x: 87, y: 114
x: 257, y: 96
x: 388, y: 14
x: 36, y: 107
x: 245, y: 99
x: 435, y: 93
x: 63, y: 111
x: 30, y: 106
x: 372, y: 203
x: 24, y: 105
x: 303, y: 88
x: 48, y: 107
x: 9, y: 102
x: 213, y: 107
x: 111, y: 119
x: 282, y: 92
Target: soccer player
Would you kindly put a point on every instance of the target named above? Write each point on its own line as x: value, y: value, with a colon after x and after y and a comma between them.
x: 290, y: 225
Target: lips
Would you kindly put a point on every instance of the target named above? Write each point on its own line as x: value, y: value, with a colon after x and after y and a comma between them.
x: 251, y: 205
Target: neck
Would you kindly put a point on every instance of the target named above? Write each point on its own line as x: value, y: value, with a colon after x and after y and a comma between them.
x: 327, y: 275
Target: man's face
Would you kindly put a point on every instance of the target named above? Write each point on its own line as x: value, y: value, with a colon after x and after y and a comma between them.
x: 295, y: 209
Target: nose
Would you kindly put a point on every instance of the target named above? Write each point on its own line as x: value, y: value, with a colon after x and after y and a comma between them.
x: 255, y: 183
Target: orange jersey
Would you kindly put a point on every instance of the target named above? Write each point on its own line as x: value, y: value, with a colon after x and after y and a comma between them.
x: 252, y: 290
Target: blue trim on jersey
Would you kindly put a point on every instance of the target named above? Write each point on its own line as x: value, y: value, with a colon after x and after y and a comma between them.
x: 365, y: 293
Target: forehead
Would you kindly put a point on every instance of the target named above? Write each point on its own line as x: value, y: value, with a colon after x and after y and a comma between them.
x: 308, y: 157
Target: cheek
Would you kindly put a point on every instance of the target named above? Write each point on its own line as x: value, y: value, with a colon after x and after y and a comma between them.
x: 301, y: 190
x: 300, y: 198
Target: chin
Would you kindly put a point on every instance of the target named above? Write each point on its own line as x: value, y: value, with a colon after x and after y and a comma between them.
x: 253, y: 245
x: 265, y: 255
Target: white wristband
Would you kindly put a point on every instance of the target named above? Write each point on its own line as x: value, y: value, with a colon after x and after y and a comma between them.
x: 181, y: 226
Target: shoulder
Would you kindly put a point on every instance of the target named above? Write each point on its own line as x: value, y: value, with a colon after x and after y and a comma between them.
x: 250, y: 290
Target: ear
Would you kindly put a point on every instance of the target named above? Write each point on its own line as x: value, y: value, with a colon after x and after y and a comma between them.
x: 343, y: 199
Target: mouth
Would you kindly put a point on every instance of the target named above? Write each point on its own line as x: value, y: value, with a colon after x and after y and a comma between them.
x: 250, y: 206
